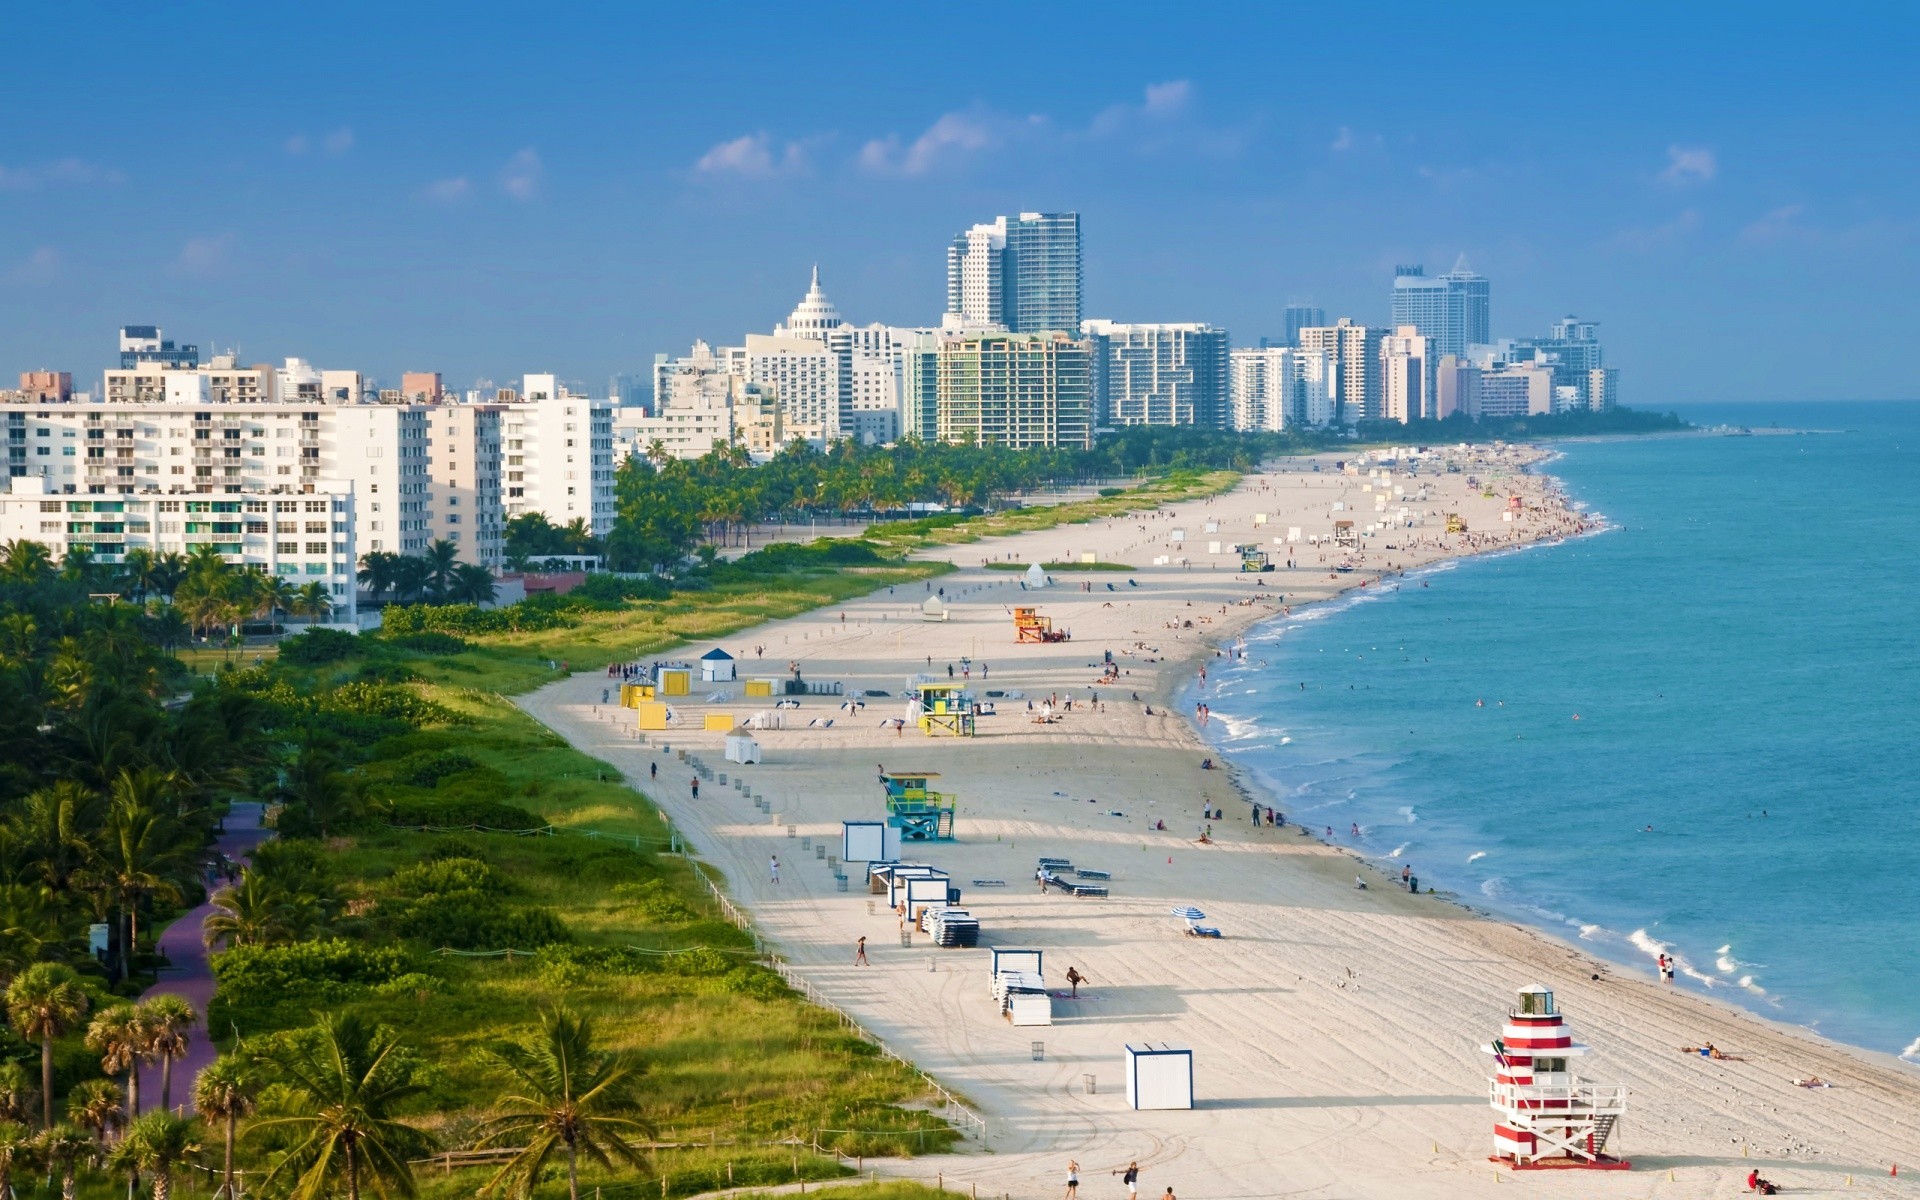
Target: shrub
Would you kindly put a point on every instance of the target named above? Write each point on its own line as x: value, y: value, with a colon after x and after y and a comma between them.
x: 432, y: 809
x: 318, y: 647
x: 388, y: 701
x: 328, y: 970
x: 614, y: 589
x: 473, y: 920
x: 431, y: 642
x: 757, y: 982
x: 700, y: 962
x: 424, y: 770
x: 656, y: 901
x: 446, y: 875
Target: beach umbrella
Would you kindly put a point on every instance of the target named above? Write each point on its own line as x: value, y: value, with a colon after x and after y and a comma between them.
x: 1188, y: 912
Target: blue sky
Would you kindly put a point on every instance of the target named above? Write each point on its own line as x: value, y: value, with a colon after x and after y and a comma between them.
x: 482, y: 190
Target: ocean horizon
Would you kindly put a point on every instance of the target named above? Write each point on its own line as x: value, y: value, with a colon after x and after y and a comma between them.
x: 1690, y: 732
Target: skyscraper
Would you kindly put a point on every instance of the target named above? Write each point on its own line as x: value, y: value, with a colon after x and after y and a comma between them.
x: 1021, y: 272
x: 1014, y: 390
x: 1355, y: 391
x: 1159, y: 374
x: 1406, y: 375
x: 1453, y: 310
x: 1295, y: 317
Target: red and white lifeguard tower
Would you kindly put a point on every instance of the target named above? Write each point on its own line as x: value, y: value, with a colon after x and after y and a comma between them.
x: 1546, y: 1115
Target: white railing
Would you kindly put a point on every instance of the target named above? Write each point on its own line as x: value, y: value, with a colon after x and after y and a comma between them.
x: 1554, y: 1103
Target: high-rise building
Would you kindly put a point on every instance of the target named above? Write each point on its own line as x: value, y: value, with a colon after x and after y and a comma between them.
x: 1021, y: 272
x: 464, y: 468
x: 1456, y: 388
x: 1006, y: 389
x: 1264, y: 383
x: 1355, y: 392
x: 46, y: 385
x: 1453, y: 310
x: 1295, y: 317
x: 143, y: 344
x: 701, y: 405
x: 559, y: 455
x: 1515, y: 390
x: 1406, y: 372
x: 1159, y: 374
x: 1603, y: 389
x: 1572, y: 350
x: 420, y: 387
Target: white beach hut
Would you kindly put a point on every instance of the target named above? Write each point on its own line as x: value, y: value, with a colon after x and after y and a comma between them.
x: 742, y: 747
x: 1036, y: 578
x: 935, y: 609
x: 1159, y: 1075
x: 716, y: 666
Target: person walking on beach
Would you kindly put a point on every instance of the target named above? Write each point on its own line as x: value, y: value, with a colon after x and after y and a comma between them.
x: 1073, y: 1179
x: 860, y: 953
x: 773, y: 867
x: 695, y: 784
x: 1131, y: 1177
x: 653, y: 770
x: 1406, y: 873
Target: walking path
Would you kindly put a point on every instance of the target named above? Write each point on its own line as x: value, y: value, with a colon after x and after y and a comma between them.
x: 190, y: 973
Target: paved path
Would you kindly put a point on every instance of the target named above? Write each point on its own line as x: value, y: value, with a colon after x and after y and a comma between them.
x: 191, y: 972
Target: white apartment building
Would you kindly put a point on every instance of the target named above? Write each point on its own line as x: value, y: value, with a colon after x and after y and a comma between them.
x: 1406, y: 375
x: 1356, y: 348
x: 303, y: 537
x: 1159, y: 374
x: 558, y: 449
x: 1515, y: 390
x: 700, y: 405
x: 1277, y: 388
x: 464, y: 465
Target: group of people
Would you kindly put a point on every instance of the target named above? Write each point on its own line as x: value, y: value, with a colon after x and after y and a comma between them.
x: 1130, y: 1176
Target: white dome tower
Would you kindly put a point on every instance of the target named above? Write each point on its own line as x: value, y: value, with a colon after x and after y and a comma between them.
x: 814, y: 317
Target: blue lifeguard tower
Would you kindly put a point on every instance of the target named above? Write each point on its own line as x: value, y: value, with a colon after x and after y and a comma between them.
x: 920, y: 814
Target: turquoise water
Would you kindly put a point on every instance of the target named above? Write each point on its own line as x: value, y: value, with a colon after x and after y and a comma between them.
x: 1740, y: 647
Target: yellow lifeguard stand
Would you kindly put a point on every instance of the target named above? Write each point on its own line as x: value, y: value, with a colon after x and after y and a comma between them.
x: 1030, y: 626
x: 1456, y: 523
x: 946, y: 710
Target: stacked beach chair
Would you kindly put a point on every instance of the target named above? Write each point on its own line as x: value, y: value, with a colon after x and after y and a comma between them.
x: 1062, y: 876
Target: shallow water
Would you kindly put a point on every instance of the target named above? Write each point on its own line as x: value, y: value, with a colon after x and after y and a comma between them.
x: 1741, y: 653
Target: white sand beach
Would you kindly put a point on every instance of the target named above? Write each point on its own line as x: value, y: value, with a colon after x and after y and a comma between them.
x: 1336, y: 1031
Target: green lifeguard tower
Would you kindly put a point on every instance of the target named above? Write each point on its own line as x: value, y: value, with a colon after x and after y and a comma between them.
x: 919, y: 813
x: 946, y: 709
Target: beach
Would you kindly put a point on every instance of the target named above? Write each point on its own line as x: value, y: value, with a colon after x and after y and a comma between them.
x: 1335, y: 1030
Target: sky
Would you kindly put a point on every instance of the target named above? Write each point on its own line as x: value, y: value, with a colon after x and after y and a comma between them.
x: 491, y: 190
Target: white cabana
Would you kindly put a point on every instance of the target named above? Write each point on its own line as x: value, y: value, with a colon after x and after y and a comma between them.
x: 1036, y: 578
x: 716, y: 666
x: 742, y: 748
x: 935, y: 609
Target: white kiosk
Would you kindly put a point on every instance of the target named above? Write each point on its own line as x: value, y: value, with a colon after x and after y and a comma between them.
x: 1159, y: 1075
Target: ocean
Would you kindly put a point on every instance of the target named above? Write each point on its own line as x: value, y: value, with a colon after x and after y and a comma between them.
x: 1695, y: 731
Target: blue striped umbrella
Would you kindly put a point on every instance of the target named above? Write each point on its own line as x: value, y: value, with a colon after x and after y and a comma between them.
x: 1188, y: 912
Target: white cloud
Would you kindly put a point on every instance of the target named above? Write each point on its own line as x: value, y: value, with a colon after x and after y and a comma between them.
x: 949, y: 140
x: 1775, y: 226
x: 298, y: 144
x: 1688, y: 165
x: 752, y: 156
x: 338, y: 142
x: 1342, y: 140
x: 1168, y: 97
x: 522, y: 175
x: 448, y: 191
x: 205, y: 255
x: 42, y: 266
x: 66, y: 172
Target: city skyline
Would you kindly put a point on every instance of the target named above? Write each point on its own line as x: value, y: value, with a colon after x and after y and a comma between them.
x: 1685, y: 194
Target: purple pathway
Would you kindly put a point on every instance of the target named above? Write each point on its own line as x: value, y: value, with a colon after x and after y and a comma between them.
x: 191, y: 974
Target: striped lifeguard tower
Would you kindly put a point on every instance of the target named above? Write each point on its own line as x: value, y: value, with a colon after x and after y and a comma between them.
x: 1545, y: 1116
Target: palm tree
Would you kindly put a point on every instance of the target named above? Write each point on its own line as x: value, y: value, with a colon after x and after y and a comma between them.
x: 97, y: 1105
x: 223, y: 1091
x: 78, y: 565
x: 314, y: 782
x: 269, y: 594
x: 168, y: 572
x: 440, y: 560
x: 563, y: 1097
x: 16, y: 1153
x: 250, y: 913
x: 119, y: 1036
x: 158, y: 1144
x: 139, y: 855
x: 376, y: 572
x: 45, y: 1002
x: 312, y: 602
x: 348, y: 1081
x: 136, y: 568
x: 61, y: 1148
x: 22, y: 561
x: 52, y: 825
x: 170, y: 1018
x: 409, y: 578
x: 16, y: 1093
x: 473, y: 585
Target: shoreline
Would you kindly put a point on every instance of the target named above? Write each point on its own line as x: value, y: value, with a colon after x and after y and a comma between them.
x: 1248, y: 781
x: 1334, y: 1029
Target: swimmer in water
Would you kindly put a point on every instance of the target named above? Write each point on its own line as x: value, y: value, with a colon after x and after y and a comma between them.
x: 1479, y: 703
